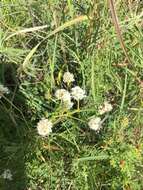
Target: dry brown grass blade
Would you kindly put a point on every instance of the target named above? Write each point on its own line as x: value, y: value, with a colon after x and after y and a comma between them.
x: 119, y: 35
x: 117, y: 27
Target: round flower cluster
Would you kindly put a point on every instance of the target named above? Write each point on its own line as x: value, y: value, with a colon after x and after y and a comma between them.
x: 78, y: 93
x: 106, y: 107
x: 65, y: 97
x: 62, y: 94
x: 7, y: 175
x: 95, y: 123
x: 44, y: 127
x: 3, y: 90
x: 68, y: 77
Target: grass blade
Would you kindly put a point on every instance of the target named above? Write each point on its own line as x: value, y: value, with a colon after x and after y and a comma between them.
x: 27, y: 30
x: 68, y: 24
x: 90, y: 158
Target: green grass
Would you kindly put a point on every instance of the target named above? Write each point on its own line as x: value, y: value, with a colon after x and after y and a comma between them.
x: 78, y: 36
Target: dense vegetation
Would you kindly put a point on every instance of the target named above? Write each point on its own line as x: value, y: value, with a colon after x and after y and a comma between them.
x: 40, y: 40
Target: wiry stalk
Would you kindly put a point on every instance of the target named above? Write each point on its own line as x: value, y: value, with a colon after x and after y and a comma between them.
x: 119, y: 34
x: 117, y: 27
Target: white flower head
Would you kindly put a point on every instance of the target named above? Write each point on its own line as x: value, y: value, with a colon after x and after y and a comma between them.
x: 44, y: 127
x: 68, y: 77
x: 65, y: 97
x: 62, y: 94
x: 78, y: 93
x: 95, y: 123
x: 106, y: 107
x: 7, y: 174
x: 68, y: 104
x: 3, y: 90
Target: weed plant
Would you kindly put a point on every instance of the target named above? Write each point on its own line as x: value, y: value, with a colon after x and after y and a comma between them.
x: 40, y: 40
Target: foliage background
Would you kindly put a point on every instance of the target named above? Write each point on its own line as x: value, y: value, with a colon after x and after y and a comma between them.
x: 73, y: 157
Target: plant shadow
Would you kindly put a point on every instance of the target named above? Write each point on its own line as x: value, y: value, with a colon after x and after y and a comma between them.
x: 12, y: 147
x: 14, y: 130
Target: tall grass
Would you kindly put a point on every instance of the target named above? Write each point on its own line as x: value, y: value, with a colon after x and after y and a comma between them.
x: 100, y: 42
